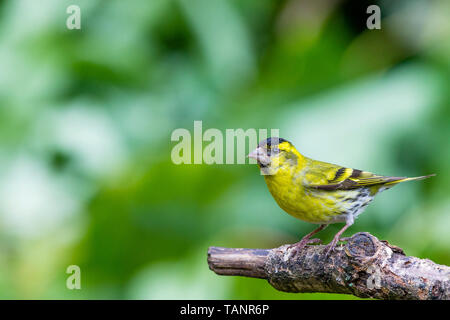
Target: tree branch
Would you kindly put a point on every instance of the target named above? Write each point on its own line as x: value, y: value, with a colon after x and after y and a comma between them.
x: 365, y: 267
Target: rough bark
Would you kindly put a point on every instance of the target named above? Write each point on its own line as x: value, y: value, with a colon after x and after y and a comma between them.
x: 364, y: 266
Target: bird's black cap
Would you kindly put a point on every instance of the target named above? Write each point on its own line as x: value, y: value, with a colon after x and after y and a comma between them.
x: 272, y: 141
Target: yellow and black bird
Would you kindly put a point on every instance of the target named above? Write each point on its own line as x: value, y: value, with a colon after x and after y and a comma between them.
x: 315, y: 191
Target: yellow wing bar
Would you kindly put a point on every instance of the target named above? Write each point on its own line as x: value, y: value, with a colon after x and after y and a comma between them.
x: 340, y: 178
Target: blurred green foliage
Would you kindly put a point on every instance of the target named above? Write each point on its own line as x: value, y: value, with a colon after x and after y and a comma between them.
x: 86, y: 118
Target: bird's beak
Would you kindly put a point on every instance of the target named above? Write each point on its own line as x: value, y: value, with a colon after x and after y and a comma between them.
x: 260, y: 155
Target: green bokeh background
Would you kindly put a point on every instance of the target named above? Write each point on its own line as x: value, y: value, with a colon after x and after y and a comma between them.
x: 86, y: 118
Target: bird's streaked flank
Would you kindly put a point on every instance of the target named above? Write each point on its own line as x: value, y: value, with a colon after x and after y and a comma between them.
x: 316, y: 191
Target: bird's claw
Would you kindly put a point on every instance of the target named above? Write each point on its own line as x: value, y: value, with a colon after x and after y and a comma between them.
x: 332, y: 245
x: 344, y: 239
x: 316, y: 240
x: 297, y: 247
x: 328, y: 250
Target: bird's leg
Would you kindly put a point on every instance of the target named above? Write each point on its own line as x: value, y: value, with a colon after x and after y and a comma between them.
x: 330, y: 247
x: 305, y: 240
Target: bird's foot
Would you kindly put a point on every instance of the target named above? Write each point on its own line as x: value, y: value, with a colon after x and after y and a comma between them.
x: 297, y: 247
x: 332, y: 245
x: 329, y: 248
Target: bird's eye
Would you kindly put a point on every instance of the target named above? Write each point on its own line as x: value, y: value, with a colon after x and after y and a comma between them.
x: 272, y: 150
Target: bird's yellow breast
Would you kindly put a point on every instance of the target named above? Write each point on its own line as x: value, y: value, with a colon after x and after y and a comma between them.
x: 301, y: 202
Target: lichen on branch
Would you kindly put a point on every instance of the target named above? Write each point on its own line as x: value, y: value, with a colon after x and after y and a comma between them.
x: 364, y: 266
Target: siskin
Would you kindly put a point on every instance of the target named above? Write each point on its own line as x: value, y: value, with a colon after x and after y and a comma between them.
x: 315, y: 191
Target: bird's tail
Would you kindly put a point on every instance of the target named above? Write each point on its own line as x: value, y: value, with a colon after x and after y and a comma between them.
x: 410, y: 179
